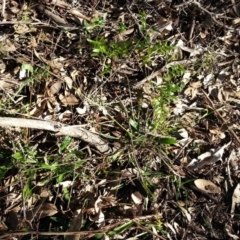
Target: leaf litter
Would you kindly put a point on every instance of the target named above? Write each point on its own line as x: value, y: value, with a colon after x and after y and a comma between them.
x: 150, y: 94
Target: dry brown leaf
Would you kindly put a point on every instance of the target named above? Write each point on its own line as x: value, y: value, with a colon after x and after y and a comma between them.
x: 68, y: 100
x: 33, y: 42
x: 79, y: 14
x: 235, y: 94
x: 192, y: 90
x: 41, y: 211
x: 21, y: 28
x: 56, y: 64
x: 207, y: 186
x: 9, y: 46
x: 65, y: 116
x: 186, y: 213
x: 129, y: 172
x: 54, y: 87
x: 39, y: 107
x: 121, y: 36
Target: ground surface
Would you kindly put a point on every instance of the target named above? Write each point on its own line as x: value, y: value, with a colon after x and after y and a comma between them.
x: 154, y: 89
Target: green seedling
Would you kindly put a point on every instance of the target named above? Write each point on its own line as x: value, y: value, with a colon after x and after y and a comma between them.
x: 96, y: 23
x: 167, y: 93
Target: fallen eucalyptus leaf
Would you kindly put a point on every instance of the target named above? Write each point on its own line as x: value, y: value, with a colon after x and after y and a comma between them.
x: 235, y: 198
x: 207, y: 186
x: 208, y: 158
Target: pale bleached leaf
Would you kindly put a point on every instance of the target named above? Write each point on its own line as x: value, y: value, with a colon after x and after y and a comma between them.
x: 228, y: 230
x: 64, y: 184
x: 207, y: 186
x: 235, y: 197
x: 137, y: 197
x: 208, y: 157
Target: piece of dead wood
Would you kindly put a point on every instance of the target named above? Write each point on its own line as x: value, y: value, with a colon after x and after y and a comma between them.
x: 55, y: 18
x: 60, y: 129
x: 75, y: 225
x: 3, y: 7
x: 76, y: 13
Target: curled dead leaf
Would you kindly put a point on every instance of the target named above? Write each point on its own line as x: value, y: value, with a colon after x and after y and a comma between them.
x: 208, y: 157
x: 192, y: 90
x: 65, y: 116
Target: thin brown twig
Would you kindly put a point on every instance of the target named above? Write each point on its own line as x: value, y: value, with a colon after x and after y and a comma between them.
x: 156, y: 73
x: 196, y: 3
x: 149, y: 231
x: 23, y: 233
x: 221, y: 118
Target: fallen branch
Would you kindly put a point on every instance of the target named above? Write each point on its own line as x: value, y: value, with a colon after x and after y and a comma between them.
x: 60, y: 129
x: 55, y: 18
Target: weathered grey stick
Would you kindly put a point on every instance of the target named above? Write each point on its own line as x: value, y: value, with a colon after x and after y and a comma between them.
x: 60, y: 129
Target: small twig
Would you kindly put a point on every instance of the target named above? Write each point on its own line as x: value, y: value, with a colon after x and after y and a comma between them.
x: 22, y: 22
x: 23, y: 200
x: 5, y: 234
x: 58, y: 20
x: 191, y: 31
x: 149, y: 231
x: 23, y: 233
x: 196, y: 3
x: 155, y: 74
x: 221, y: 118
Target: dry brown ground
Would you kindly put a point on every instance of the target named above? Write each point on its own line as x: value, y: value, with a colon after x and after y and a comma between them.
x: 139, y: 109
